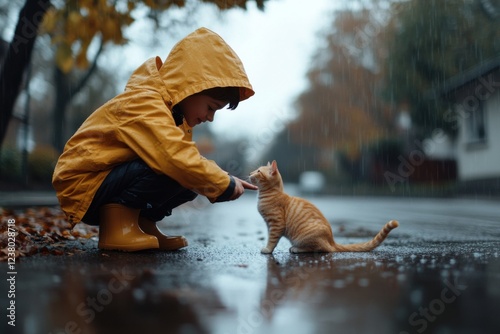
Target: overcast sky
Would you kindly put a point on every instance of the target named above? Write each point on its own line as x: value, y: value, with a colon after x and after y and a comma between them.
x: 275, y: 46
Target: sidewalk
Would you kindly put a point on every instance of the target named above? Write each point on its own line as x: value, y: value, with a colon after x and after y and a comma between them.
x: 26, y: 198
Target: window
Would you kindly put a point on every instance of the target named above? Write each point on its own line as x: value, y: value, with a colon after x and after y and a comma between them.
x: 476, y: 125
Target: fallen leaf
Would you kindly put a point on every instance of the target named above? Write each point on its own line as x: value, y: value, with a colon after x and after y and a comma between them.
x: 43, y: 230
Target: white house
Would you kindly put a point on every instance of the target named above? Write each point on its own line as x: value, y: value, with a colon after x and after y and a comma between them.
x: 475, y: 95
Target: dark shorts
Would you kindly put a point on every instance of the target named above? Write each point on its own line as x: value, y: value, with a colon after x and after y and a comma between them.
x: 136, y: 185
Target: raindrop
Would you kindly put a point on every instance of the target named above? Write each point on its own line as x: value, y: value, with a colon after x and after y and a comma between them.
x: 339, y: 284
x: 416, y: 296
x: 139, y: 295
x: 401, y: 277
x: 445, y: 273
x: 363, y: 282
x: 386, y: 274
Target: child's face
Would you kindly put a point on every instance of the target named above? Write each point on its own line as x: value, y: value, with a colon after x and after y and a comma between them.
x: 200, y: 108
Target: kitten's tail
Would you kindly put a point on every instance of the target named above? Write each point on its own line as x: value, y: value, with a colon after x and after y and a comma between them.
x: 369, y: 245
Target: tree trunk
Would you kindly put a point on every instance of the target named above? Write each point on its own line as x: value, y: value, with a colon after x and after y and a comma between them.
x: 62, y: 99
x: 66, y: 90
x: 18, y: 58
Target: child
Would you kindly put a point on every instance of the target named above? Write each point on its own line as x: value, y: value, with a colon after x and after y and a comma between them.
x: 133, y: 160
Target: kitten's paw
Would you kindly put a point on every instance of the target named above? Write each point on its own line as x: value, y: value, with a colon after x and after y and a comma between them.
x: 266, y: 250
x: 296, y: 250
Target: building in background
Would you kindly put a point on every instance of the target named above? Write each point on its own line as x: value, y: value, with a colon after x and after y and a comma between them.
x: 475, y: 97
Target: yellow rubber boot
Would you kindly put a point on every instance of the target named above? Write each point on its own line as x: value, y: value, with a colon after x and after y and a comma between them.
x: 167, y: 242
x: 119, y: 230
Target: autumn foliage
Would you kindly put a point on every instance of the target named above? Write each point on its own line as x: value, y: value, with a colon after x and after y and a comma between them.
x: 43, y: 231
x: 342, y: 109
x: 75, y: 25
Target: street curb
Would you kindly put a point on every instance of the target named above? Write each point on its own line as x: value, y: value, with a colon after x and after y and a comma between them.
x: 24, y: 199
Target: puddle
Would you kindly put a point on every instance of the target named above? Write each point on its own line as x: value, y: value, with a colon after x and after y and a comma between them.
x: 241, y: 298
x: 251, y: 308
x: 362, y: 293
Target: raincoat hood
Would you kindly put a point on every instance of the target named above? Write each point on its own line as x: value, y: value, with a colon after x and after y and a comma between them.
x: 139, y: 124
x: 200, y: 61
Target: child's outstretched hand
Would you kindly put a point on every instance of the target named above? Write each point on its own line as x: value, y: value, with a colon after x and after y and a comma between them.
x: 240, y: 187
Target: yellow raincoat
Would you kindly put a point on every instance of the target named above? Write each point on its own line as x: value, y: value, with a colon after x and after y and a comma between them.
x: 139, y: 124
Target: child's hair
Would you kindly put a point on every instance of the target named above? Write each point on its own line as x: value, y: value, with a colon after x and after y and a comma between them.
x: 231, y: 94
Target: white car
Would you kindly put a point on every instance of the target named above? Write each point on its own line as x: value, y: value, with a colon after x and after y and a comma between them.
x: 311, y: 182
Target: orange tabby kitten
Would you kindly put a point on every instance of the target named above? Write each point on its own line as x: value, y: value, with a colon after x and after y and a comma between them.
x: 299, y: 220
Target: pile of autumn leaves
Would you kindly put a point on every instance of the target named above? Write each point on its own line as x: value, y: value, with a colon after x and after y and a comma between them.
x: 43, y: 231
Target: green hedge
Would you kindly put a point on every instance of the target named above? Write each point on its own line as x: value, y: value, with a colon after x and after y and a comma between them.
x: 40, y: 165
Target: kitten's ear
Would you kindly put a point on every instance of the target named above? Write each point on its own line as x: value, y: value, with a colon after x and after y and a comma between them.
x: 274, y: 167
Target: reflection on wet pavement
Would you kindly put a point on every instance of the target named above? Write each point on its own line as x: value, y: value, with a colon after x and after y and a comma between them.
x: 375, y: 294
x: 414, y: 283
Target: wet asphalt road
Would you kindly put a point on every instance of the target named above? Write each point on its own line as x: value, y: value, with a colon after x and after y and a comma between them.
x: 439, y: 272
